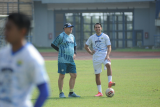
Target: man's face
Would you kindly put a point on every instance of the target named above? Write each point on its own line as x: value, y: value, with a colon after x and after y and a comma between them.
x: 12, y: 33
x: 68, y: 30
x: 98, y: 28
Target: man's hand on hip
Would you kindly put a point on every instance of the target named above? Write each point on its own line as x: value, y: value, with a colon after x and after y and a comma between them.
x: 92, y: 52
x: 74, y: 56
x: 107, y: 58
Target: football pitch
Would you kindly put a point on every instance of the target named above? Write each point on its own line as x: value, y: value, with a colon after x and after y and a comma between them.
x: 137, y: 85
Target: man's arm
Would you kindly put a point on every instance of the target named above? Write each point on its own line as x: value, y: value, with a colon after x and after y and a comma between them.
x: 44, y: 93
x: 55, y: 47
x: 88, y: 49
x: 108, y: 52
x: 75, y: 49
x: 57, y: 42
x: 75, y: 52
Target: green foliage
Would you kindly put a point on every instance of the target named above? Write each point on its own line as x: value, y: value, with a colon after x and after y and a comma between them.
x: 137, y: 85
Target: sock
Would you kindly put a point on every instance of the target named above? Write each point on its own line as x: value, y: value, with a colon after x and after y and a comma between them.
x: 71, y: 91
x: 109, y: 78
x: 99, y: 88
x: 60, y: 91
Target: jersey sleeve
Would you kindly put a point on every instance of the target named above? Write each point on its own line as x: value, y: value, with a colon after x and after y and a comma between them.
x: 107, y: 40
x: 39, y: 74
x: 58, y: 40
x: 89, y: 41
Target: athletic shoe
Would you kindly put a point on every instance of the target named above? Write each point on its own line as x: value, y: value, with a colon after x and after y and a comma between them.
x: 99, y: 94
x: 61, y: 95
x: 110, y: 84
x: 73, y: 95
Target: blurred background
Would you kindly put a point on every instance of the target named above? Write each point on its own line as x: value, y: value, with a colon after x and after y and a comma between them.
x: 129, y: 23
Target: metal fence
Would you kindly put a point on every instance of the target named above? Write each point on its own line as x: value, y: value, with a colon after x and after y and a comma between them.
x: 157, y: 41
x: 10, y: 6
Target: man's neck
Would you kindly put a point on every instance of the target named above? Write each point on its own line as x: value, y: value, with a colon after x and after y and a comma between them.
x: 67, y: 33
x: 98, y: 34
x: 17, y: 46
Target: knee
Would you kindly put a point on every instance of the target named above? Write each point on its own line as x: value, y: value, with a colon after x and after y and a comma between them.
x: 108, y: 65
x: 74, y: 75
x: 61, y: 76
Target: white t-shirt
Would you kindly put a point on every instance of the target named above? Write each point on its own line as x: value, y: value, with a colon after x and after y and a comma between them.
x: 99, y: 44
x: 19, y: 72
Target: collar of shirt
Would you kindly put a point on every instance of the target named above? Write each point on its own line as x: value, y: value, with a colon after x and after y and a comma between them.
x: 99, y: 35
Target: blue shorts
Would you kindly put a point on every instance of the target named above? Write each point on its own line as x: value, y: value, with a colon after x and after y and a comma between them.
x: 66, y: 68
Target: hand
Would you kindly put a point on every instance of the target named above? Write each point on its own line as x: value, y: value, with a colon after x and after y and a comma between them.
x: 93, y: 52
x: 74, y: 56
x: 107, y: 58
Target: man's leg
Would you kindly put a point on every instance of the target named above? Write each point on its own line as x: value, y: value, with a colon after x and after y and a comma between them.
x: 72, y: 81
x: 60, y: 82
x: 98, y: 82
x: 109, y: 74
x: 61, y: 71
x: 72, y: 70
x: 60, y: 85
x: 97, y: 70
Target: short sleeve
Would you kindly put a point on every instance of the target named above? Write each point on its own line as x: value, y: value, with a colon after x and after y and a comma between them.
x: 75, y: 44
x: 39, y: 74
x: 58, y: 40
x: 107, y: 41
x: 89, y: 41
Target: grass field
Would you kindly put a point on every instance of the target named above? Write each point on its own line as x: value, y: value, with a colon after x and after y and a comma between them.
x: 137, y: 85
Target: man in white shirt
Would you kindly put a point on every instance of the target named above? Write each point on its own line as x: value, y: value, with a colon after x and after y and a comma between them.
x: 101, y: 50
x: 21, y: 66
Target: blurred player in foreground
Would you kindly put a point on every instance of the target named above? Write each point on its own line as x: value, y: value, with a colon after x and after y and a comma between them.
x: 101, y: 51
x: 66, y: 45
x: 21, y: 66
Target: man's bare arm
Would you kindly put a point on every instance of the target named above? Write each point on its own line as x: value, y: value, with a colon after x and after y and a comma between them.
x: 88, y: 49
x: 108, y: 52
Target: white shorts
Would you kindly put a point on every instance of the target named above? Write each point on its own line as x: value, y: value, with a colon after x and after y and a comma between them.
x: 97, y: 64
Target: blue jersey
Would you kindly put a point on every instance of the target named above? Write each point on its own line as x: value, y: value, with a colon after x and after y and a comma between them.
x: 66, y: 44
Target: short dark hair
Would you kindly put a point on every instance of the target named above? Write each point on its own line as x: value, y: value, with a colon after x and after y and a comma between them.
x: 20, y: 20
x: 97, y: 24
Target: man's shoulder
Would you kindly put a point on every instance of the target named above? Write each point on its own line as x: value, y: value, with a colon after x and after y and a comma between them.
x: 5, y: 49
x: 32, y: 54
x: 62, y: 34
x: 92, y: 36
x: 71, y: 35
x: 105, y: 35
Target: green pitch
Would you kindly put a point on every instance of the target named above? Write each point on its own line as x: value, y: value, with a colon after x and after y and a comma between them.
x: 137, y: 85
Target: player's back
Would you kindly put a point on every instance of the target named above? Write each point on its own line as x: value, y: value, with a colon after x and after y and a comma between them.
x: 19, y: 72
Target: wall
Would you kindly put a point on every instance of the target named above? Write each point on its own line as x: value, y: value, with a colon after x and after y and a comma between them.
x: 44, y: 23
x: 43, y: 20
x: 144, y: 20
x: 87, y: 6
x: 152, y: 26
